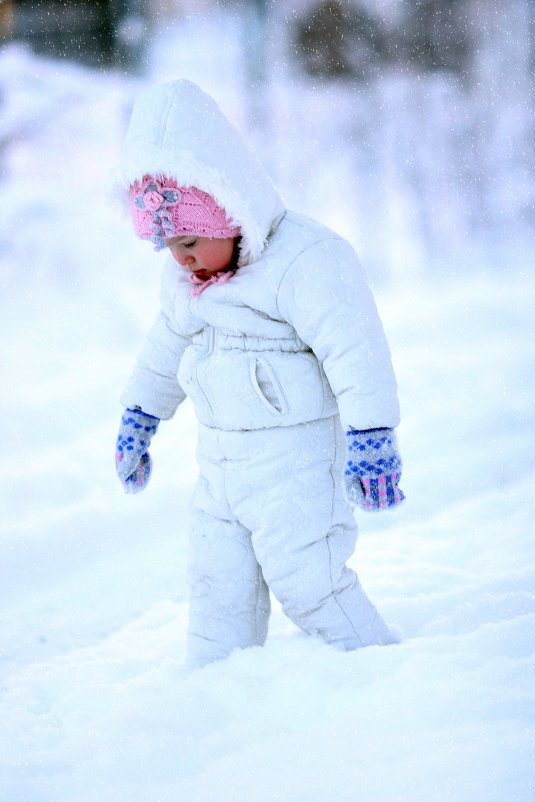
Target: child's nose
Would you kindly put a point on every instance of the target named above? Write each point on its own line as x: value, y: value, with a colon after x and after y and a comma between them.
x: 184, y: 258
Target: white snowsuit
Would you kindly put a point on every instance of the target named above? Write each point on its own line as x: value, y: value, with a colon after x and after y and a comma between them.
x: 278, y: 362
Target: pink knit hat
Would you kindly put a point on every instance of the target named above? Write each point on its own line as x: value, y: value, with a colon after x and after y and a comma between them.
x: 160, y: 208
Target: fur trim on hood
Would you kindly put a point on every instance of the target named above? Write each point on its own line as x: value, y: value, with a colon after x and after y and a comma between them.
x: 179, y: 131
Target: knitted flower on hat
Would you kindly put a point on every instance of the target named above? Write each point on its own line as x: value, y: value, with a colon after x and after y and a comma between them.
x: 161, y: 209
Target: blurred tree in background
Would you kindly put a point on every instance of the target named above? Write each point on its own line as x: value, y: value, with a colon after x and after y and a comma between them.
x: 340, y: 39
x: 344, y: 38
x: 435, y: 34
x: 97, y: 33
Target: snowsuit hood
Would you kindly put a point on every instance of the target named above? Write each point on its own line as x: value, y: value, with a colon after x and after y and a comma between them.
x: 179, y: 131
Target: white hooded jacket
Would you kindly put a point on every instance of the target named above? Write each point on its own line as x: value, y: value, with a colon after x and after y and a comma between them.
x: 294, y: 335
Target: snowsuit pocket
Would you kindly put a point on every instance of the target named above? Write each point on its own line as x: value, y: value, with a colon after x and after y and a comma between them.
x: 267, y: 386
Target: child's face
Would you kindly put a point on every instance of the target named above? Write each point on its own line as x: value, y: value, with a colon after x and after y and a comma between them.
x: 201, y: 255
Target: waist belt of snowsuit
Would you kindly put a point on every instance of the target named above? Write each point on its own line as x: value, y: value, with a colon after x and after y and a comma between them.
x: 228, y: 340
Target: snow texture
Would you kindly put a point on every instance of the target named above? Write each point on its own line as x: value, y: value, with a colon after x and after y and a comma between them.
x: 95, y: 703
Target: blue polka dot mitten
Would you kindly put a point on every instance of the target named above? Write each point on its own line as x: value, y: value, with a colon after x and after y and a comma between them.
x: 132, y: 459
x: 373, y: 469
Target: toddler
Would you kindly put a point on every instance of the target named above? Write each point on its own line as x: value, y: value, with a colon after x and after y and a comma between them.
x: 267, y: 324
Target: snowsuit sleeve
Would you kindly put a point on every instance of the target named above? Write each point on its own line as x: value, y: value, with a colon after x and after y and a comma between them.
x: 153, y: 384
x: 324, y: 295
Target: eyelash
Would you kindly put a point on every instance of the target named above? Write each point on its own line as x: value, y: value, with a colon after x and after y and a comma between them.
x: 191, y: 244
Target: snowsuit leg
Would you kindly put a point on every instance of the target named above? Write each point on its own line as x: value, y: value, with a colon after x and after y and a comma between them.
x: 282, y: 517
x: 229, y: 600
x: 288, y: 492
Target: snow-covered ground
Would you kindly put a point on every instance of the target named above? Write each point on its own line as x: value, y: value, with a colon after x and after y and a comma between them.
x: 95, y: 704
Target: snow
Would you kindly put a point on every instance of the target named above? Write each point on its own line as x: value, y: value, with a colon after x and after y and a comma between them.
x: 95, y: 702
